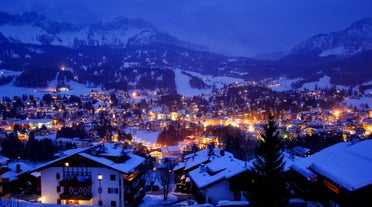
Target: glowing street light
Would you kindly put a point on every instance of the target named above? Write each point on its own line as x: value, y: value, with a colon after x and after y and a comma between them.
x: 99, y: 177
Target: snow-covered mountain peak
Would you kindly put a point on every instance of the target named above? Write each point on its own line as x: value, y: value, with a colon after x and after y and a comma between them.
x: 355, y: 39
x: 362, y: 28
x: 32, y: 28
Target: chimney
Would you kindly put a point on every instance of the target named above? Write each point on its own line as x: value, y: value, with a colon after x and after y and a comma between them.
x: 202, y: 167
x: 18, y: 168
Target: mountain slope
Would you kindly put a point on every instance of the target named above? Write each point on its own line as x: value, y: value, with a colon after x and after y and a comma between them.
x: 102, y: 53
x: 124, y: 53
x: 355, y: 39
x: 32, y: 28
x: 343, y: 56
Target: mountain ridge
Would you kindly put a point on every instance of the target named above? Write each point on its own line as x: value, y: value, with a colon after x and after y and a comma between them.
x: 354, y: 39
x: 99, y: 53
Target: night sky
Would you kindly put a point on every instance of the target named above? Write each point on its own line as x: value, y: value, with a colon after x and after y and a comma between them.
x: 235, y: 27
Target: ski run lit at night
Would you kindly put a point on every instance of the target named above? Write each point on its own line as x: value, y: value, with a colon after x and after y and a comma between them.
x: 213, y: 103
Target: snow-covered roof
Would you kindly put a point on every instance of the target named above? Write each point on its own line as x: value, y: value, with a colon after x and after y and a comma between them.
x: 217, y: 170
x: 63, y: 155
x: 146, y: 136
x: 3, y: 159
x: 348, y: 165
x: 125, y: 167
x: 202, y: 156
x: 171, y: 149
x: 12, y: 173
x: 180, y: 165
x: 27, y: 121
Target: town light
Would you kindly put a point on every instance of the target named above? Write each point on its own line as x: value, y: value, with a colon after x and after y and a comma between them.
x: 41, y: 199
x: 337, y: 113
x: 99, y: 177
x: 134, y: 94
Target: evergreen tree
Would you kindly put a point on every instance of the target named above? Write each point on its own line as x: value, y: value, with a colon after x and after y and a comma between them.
x: 269, y: 188
x: 12, y: 146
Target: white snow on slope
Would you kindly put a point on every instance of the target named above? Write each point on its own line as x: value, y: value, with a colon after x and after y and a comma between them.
x: 184, y: 88
x: 11, y: 90
x: 285, y: 84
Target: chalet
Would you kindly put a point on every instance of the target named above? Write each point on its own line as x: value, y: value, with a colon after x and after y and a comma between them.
x: 205, y: 140
x: 211, y: 181
x: 103, y: 175
x: 192, y: 161
x: 171, y: 151
x: 300, y: 151
x: 3, y: 169
x: 340, y: 175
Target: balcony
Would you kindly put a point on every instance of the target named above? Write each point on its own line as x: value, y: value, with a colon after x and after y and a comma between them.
x: 86, y: 195
x: 76, y: 186
x: 76, y: 180
x: 74, y: 183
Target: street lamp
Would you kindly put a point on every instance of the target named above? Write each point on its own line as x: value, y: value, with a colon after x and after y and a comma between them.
x: 99, y: 177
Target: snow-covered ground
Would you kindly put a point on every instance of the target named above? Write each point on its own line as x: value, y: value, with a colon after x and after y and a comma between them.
x: 283, y: 84
x: 182, y: 84
x: 77, y: 89
x: 359, y: 102
x: 184, y: 88
x: 147, y: 137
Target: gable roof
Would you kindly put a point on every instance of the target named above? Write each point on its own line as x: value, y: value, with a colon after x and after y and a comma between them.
x: 195, y: 159
x: 125, y: 167
x: 221, y: 168
x: 65, y: 154
x: 346, y: 164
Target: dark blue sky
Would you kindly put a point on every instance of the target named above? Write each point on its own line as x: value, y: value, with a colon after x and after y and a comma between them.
x: 239, y: 27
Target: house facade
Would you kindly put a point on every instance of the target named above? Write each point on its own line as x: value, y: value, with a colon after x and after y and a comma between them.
x: 94, y: 180
x: 211, y: 182
x: 337, y: 176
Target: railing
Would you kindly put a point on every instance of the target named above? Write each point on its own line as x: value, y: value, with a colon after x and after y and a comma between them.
x: 76, y: 186
x: 76, y: 179
x: 74, y: 183
x: 77, y: 193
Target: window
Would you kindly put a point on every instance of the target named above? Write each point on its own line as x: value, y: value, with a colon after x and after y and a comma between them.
x: 100, y: 203
x: 112, y: 177
x: 113, y: 203
x: 58, y: 189
x: 113, y: 190
x: 58, y: 176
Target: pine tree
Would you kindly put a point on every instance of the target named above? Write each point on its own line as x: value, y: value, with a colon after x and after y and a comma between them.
x: 269, y: 188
